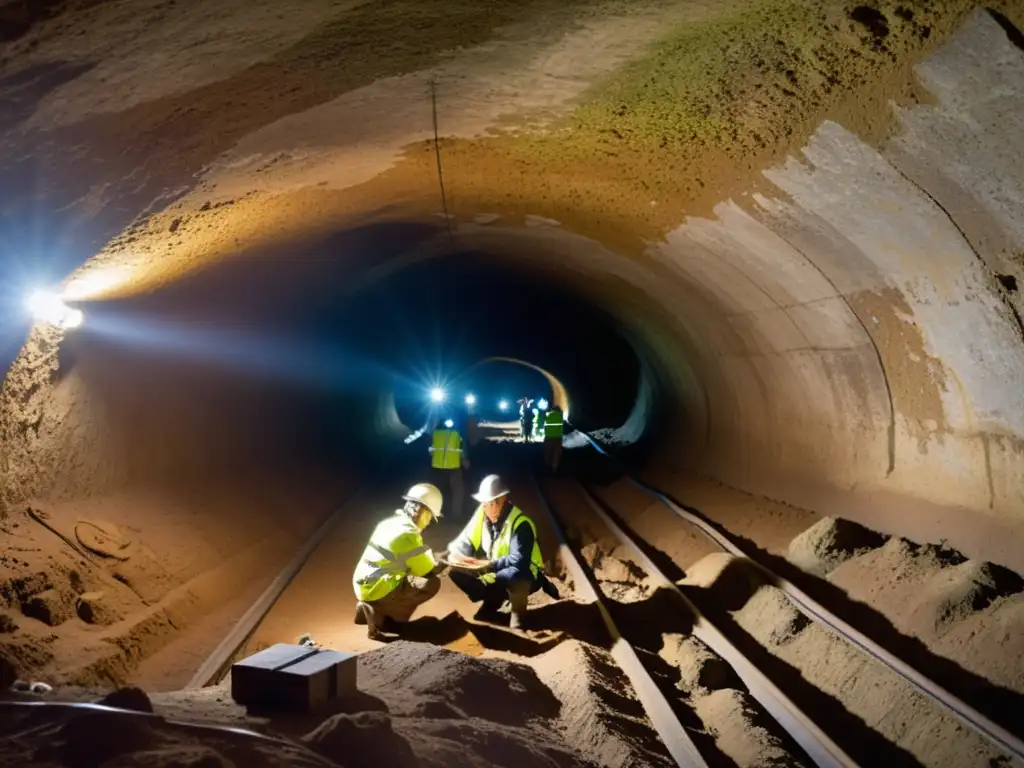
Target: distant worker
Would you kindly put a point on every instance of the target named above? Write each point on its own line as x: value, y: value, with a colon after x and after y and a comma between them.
x: 397, y: 572
x: 497, y: 556
x: 536, y: 423
x: 525, y: 419
x: 472, y: 429
x: 554, y: 427
x: 448, y: 459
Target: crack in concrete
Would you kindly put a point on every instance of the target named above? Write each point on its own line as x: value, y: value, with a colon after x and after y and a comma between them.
x: 997, y: 287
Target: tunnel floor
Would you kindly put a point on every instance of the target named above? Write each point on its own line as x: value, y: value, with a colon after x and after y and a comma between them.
x: 448, y: 675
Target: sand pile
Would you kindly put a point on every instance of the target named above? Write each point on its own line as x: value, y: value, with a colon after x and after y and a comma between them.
x: 418, y: 705
x: 967, y: 611
x: 831, y: 542
x: 743, y: 731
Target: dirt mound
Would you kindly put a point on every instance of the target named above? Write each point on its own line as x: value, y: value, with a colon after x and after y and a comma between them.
x: 829, y: 543
x: 364, y: 736
x: 743, y: 731
x: 490, y: 689
x: 968, y: 611
x: 739, y: 729
x: 598, y: 720
x: 418, y: 705
x: 956, y: 592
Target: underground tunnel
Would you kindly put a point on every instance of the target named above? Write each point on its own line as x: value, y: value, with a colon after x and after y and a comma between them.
x: 763, y: 255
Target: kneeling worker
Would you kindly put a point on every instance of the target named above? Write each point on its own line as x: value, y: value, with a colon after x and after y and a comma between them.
x: 397, y: 572
x: 497, y: 555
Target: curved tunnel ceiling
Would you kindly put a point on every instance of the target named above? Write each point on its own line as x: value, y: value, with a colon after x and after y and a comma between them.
x: 559, y: 394
x: 814, y: 258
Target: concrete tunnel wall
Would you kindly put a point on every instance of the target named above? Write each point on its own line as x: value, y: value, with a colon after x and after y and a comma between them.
x: 837, y: 337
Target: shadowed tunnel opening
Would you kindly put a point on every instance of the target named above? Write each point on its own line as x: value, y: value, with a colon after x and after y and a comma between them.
x: 324, y: 352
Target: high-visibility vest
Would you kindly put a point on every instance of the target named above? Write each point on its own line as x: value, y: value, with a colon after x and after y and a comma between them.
x: 478, y: 536
x: 553, y: 424
x: 396, y: 549
x: 446, y: 449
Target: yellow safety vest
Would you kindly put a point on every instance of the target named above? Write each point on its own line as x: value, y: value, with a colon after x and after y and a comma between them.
x: 475, y: 533
x: 553, y: 424
x: 446, y: 449
x: 396, y: 549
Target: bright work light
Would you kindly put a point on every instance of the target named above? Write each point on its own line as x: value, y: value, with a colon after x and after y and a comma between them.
x: 503, y: 405
x: 470, y: 399
x: 542, y: 404
x: 437, y: 395
x: 49, y: 308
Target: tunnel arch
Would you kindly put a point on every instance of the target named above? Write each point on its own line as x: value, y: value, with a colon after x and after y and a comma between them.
x: 559, y: 394
x: 797, y: 323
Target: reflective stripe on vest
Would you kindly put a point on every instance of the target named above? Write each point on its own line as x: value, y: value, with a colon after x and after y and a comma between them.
x: 553, y: 424
x: 384, y: 563
x: 446, y: 449
x: 392, y: 563
x: 502, y: 544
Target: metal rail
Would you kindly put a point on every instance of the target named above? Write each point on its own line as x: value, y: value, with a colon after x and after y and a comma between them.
x: 815, y: 742
x: 989, y: 730
x: 215, y: 665
x: 678, y: 743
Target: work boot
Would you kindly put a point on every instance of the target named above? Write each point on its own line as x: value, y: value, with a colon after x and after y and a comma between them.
x: 370, y: 619
x: 489, y: 611
x: 517, y: 620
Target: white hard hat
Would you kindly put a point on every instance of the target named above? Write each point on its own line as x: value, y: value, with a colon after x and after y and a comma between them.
x: 428, y: 495
x: 492, y: 487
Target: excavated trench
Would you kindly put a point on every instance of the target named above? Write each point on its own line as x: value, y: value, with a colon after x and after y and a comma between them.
x: 771, y: 249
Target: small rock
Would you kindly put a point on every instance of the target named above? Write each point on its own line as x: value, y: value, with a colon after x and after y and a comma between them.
x: 7, y: 624
x: 92, y: 608
x: 49, y: 607
x: 40, y: 688
x: 131, y: 698
x: 175, y: 224
x: 22, y: 686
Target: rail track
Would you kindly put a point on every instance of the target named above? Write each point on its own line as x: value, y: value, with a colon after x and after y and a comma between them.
x: 996, y: 735
x: 816, y: 744
x: 801, y: 726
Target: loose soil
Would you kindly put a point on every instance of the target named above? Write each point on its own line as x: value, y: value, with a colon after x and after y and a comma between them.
x: 956, y: 620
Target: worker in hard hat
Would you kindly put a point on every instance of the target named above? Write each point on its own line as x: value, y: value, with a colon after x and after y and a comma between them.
x: 497, y: 556
x: 448, y: 460
x: 526, y: 418
x: 397, y: 572
x: 554, y: 426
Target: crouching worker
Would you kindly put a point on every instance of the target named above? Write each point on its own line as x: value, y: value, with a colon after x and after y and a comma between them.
x: 397, y: 572
x: 497, y: 556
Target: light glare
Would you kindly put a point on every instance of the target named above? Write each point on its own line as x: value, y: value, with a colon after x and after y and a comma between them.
x: 470, y: 399
x: 48, y: 307
x: 437, y: 395
x: 503, y: 405
x: 542, y: 404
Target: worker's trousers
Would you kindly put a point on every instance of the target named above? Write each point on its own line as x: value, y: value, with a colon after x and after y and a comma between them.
x: 453, y: 481
x: 400, y: 603
x: 552, y: 452
x: 516, y: 591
